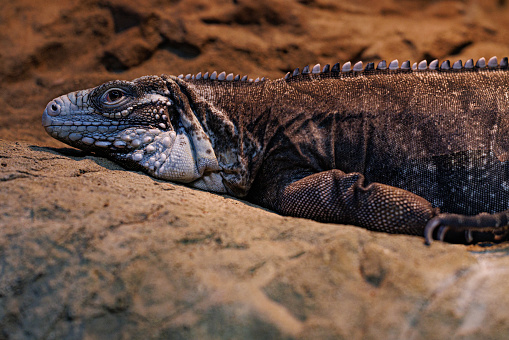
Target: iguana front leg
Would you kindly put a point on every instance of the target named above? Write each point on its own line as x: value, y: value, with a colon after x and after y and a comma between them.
x: 333, y: 196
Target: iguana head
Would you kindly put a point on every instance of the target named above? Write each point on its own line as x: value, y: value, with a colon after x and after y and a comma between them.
x: 146, y: 122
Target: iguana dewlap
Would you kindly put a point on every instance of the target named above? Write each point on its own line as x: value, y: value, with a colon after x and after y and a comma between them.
x: 386, y: 149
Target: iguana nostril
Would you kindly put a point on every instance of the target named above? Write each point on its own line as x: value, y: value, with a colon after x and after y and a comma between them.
x: 53, y: 108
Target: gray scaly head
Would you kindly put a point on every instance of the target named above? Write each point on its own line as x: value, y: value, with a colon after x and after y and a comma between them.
x: 144, y: 122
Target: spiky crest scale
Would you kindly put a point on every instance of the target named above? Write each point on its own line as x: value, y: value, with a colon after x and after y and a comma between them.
x: 358, y: 67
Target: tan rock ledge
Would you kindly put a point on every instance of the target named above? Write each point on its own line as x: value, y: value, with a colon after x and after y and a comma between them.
x: 90, y: 250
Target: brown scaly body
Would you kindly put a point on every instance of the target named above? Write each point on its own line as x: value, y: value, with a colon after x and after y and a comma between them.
x: 392, y: 149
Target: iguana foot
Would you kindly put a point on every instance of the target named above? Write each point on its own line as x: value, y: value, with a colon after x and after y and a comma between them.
x: 497, y: 223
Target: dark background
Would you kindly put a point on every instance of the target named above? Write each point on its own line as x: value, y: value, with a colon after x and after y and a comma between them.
x: 51, y: 47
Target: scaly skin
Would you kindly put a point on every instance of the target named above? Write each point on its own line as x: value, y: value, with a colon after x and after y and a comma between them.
x: 130, y: 122
x: 386, y: 149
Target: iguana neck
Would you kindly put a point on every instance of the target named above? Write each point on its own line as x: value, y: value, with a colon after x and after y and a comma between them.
x: 233, y: 115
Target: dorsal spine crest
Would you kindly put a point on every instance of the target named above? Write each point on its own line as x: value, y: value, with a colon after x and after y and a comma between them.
x: 347, y: 69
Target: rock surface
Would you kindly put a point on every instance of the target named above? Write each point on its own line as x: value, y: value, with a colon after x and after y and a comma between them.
x: 89, y: 250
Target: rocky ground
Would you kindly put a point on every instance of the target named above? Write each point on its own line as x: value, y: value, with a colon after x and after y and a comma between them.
x: 89, y: 250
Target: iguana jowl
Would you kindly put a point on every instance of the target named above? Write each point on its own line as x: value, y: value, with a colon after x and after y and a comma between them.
x: 396, y: 149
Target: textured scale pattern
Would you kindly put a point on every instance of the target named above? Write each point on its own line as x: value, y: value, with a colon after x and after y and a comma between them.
x: 376, y: 206
x: 418, y: 148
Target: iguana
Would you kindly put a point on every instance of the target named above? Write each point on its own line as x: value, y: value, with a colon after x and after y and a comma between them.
x: 416, y: 149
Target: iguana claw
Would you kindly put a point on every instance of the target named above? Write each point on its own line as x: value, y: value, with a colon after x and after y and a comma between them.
x: 483, y: 222
x: 442, y: 231
x: 430, y: 227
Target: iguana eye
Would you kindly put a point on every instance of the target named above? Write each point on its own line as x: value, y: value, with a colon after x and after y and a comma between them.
x: 113, y: 96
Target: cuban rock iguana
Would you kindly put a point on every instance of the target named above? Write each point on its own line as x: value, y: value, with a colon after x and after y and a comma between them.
x: 419, y: 149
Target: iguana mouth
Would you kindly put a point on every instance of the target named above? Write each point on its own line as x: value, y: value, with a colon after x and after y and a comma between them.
x: 91, y: 131
x: 72, y: 118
